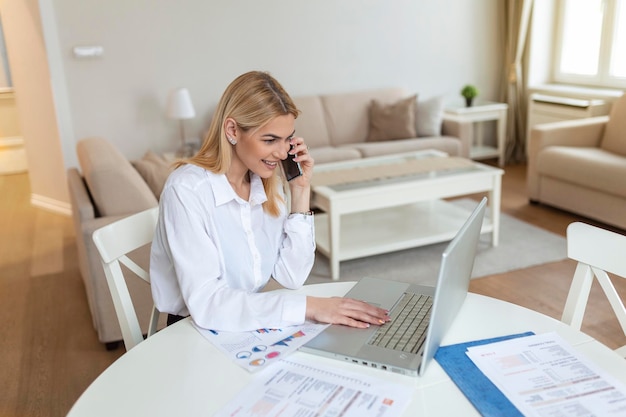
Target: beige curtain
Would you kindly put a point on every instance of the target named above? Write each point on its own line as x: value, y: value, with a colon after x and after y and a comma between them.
x: 516, y: 19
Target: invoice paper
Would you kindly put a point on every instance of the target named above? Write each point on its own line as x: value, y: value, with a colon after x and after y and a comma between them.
x: 543, y: 375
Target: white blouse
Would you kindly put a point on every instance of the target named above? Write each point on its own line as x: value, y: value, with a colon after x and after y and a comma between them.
x: 213, y: 251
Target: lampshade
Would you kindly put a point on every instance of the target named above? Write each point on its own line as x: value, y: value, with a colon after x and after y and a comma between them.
x: 179, y: 105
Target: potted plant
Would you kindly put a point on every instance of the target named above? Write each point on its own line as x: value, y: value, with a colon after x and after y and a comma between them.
x: 469, y: 92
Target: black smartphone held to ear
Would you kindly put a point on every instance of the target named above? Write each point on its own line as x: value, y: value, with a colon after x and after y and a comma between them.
x: 291, y: 168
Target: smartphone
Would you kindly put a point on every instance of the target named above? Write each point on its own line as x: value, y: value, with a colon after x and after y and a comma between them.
x: 291, y: 168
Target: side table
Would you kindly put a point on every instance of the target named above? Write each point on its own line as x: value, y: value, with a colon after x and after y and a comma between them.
x: 188, y: 150
x: 481, y: 111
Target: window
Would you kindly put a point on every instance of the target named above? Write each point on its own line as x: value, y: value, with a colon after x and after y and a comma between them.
x: 5, y: 75
x: 591, y: 41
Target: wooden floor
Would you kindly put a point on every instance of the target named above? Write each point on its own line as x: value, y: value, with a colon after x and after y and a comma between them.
x: 49, y: 352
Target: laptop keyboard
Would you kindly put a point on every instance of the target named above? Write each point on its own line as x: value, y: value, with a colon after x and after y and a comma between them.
x: 406, y: 331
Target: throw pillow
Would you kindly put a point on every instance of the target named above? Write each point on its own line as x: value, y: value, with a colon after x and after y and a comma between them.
x: 154, y: 169
x: 392, y: 121
x: 429, y: 116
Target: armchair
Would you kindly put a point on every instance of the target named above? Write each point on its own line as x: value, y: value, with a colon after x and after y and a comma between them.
x: 580, y: 166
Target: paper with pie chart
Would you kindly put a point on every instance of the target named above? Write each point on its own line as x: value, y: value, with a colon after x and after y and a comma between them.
x: 257, y: 349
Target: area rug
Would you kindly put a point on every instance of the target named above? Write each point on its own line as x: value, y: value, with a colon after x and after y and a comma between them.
x: 521, y: 245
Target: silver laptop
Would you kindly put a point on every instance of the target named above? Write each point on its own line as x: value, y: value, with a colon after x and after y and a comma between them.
x: 420, y: 315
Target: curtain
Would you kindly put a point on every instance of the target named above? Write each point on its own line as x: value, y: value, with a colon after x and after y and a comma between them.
x: 517, y: 14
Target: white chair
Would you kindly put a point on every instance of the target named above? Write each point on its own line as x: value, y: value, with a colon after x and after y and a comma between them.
x: 114, y: 241
x: 597, y: 251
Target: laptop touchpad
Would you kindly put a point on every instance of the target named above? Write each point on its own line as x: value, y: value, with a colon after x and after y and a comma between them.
x: 342, y: 339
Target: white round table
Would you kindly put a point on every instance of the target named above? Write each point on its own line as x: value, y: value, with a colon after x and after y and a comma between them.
x: 177, y: 372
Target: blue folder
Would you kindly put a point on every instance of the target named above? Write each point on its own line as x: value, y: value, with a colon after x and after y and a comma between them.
x: 479, y: 390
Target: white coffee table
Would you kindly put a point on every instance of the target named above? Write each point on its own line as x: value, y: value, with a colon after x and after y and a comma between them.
x: 378, y: 216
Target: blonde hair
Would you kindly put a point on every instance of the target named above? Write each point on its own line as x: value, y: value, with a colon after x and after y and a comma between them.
x: 252, y: 100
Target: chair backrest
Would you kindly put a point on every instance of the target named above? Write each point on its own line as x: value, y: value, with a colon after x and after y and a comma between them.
x: 598, y: 253
x: 114, y: 241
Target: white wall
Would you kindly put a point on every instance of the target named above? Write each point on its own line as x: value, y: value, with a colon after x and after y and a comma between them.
x: 34, y: 99
x: 321, y: 46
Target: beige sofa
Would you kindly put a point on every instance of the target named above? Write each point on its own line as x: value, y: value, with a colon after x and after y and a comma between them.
x: 108, y: 186
x: 580, y: 166
x: 337, y: 126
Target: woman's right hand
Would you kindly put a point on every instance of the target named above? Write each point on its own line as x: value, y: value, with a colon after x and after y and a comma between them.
x: 346, y: 311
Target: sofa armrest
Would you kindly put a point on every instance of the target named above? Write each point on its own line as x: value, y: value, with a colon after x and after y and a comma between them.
x: 82, y: 205
x: 579, y: 132
x: 83, y: 211
x: 461, y: 130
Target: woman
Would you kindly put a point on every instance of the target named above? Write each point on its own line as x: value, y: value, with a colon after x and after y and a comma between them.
x: 226, y: 225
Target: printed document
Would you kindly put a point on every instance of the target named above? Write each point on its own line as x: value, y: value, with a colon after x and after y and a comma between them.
x: 257, y: 349
x: 543, y: 375
x: 293, y: 388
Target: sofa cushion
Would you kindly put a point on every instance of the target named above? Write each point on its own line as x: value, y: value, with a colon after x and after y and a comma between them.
x: 614, y: 138
x: 154, y: 169
x: 392, y: 121
x: 311, y: 122
x: 334, y: 154
x: 347, y: 115
x: 429, y: 116
x: 592, y: 168
x: 115, y: 186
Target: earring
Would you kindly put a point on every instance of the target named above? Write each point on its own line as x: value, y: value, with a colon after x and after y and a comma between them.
x: 231, y: 140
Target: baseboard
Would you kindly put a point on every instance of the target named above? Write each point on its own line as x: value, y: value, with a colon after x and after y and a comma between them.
x: 12, y: 155
x: 50, y: 204
x: 10, y: 141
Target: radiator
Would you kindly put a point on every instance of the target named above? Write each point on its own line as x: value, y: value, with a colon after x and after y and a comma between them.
x: 545, y: 109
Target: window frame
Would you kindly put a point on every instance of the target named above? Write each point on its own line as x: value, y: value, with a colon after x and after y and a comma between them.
x: 602, y: 78
x: 5, y: 72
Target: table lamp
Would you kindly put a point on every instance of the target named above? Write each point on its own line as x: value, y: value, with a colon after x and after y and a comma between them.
x: 180, y: 107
